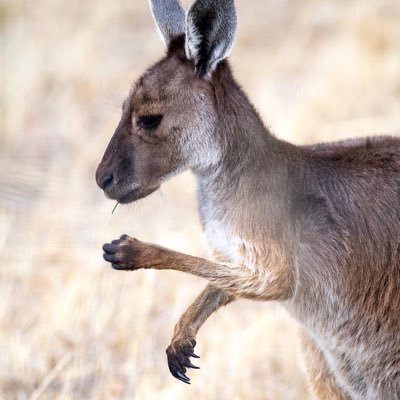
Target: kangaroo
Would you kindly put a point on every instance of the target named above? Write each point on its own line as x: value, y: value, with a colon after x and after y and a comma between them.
x: 314, y: 227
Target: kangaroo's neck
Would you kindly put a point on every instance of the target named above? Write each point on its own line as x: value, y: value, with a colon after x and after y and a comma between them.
x: 251, y: 157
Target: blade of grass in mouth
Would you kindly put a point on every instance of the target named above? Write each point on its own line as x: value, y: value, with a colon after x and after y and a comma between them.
x: 112, y: 212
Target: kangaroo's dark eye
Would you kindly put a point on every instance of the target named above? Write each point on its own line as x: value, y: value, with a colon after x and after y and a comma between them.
x: 148, y: 121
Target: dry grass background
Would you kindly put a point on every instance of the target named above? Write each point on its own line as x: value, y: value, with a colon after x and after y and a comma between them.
x: 72, y: 328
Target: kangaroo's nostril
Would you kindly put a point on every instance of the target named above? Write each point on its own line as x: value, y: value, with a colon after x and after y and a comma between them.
x: 106, y: 180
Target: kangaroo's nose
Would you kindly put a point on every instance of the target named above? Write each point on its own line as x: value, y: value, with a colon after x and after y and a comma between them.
x: 106, y: 180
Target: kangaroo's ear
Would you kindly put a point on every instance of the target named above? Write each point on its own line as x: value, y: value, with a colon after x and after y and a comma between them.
x: 170, y: 18
x: 210, y: 33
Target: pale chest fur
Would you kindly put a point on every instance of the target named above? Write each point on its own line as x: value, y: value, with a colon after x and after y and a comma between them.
x: 220, y: 240
x: 223, y: 243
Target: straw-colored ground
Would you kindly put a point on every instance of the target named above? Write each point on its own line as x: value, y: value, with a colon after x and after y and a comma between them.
x: 72, y: 328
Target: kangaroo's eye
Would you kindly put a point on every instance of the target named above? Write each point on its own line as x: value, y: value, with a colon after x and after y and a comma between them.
x: 148, y: 121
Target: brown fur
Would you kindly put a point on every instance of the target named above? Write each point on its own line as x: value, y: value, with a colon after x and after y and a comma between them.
x: 317, y: 228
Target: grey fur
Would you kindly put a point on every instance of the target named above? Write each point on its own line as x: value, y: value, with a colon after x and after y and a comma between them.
x: 170, y: 18
x: 210, y: 32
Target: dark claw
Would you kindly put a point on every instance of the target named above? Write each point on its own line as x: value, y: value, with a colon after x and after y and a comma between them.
x: 184, y: 381
x: 182, y: 377
x: 194, y: 355
x: 178, y: 359
x: 190, y: 365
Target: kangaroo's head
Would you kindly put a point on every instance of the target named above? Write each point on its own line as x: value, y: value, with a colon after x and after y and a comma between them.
x: 169, y: 120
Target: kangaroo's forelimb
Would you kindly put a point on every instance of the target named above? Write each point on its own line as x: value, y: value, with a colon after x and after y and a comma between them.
x: 263, y: 283
x: 183, y: 340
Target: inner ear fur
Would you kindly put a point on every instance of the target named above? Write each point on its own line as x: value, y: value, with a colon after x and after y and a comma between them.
x: 210, y: 33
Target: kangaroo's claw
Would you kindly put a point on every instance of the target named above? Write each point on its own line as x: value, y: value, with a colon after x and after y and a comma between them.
x: 178, y: 354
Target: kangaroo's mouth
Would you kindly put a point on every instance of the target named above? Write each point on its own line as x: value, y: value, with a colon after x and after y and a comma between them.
x: 136, y: 194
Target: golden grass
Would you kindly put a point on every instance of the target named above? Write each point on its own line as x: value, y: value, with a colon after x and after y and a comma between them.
x: 70, y: 327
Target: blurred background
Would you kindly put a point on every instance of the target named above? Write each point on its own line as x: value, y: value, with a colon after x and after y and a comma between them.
x: 70, y: 326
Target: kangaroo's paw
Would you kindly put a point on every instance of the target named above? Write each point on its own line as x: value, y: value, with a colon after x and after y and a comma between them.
x: 127, y: 253
x: 178, y: 354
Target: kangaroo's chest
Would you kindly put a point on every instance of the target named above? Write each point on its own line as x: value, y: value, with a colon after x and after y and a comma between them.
x: 220, y: 233
x: 221, y: 241
x: 223, y: 244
